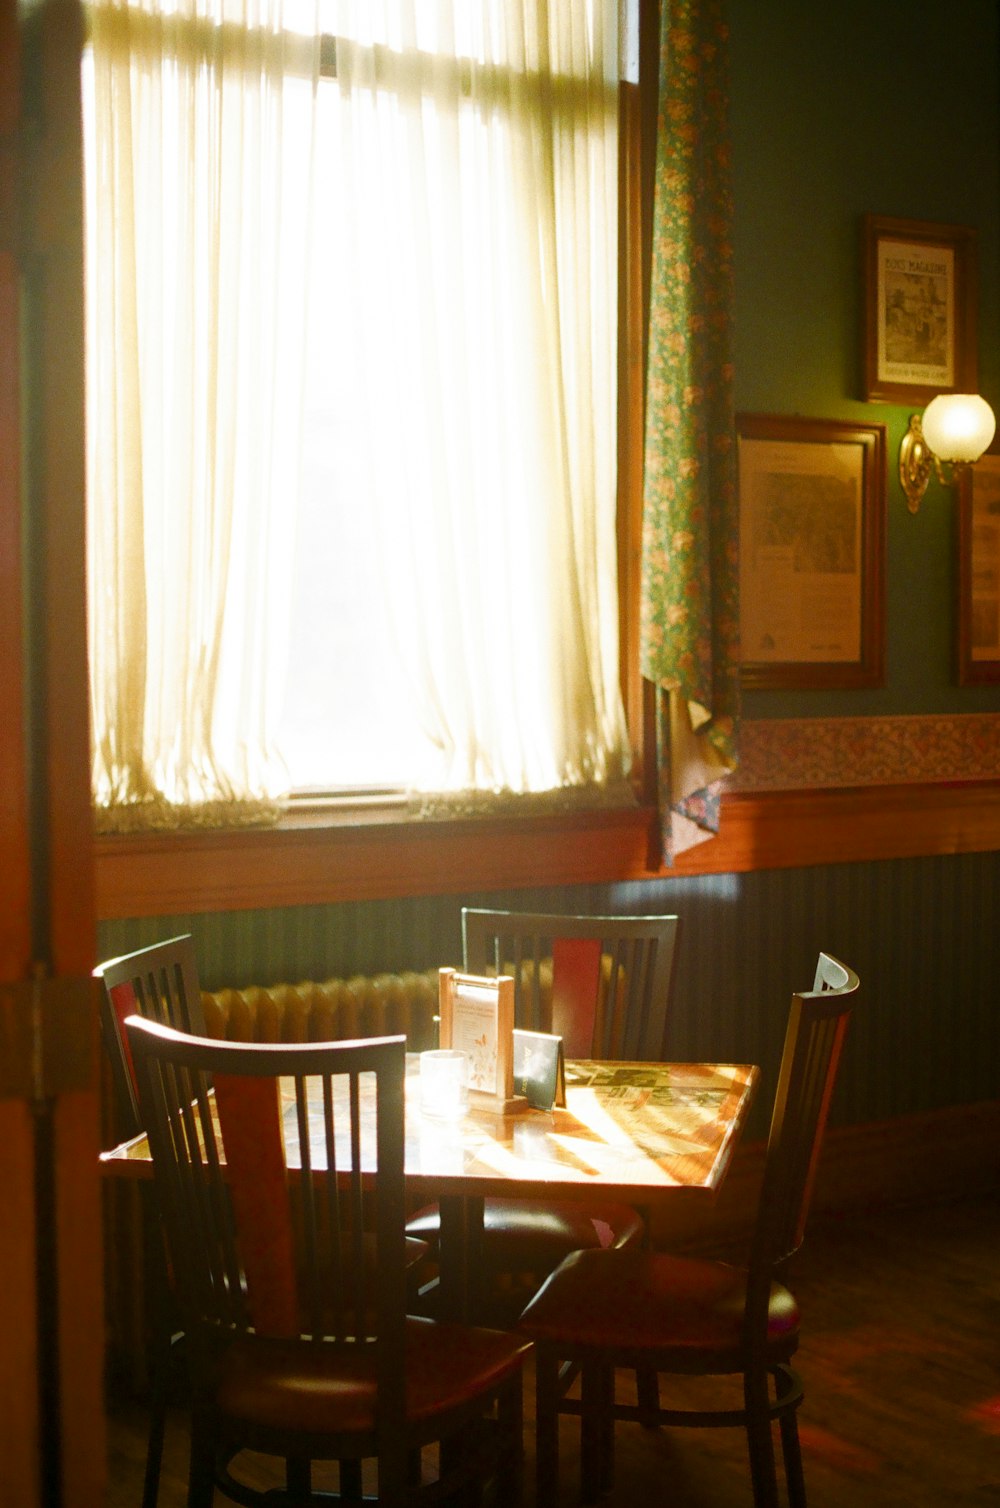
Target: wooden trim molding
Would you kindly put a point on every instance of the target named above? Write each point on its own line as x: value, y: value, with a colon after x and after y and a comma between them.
x: 790, y: 829
x: 316, y: 861
x: 320, y: 860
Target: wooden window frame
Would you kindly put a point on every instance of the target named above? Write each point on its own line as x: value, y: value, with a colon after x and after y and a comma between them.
x: 200, y: 871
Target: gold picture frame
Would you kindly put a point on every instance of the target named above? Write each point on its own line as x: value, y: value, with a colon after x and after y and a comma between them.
x: 920, y: 287
x: 812, y: 552
x: 978, y: 615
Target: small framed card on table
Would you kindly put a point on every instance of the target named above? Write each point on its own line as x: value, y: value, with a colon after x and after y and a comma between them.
x: 539, y: 1068
x: 477, y: 1018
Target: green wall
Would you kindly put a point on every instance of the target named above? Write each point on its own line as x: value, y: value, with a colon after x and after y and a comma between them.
x: 887, y: 107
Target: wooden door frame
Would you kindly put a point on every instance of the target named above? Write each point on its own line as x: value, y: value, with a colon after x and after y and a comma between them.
x: 52, y: 1435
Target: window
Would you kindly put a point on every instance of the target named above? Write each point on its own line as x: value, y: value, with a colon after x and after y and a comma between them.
x: 418, y: 587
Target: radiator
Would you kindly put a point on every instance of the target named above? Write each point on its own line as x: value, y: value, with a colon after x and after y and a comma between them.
x: 332, y: 1010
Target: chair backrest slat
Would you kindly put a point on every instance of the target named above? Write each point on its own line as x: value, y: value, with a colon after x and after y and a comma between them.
x: 628, y: 1017
x: 250, y: 1126
x: 576, y: 985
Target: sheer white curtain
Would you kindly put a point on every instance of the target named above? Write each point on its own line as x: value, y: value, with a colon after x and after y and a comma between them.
x: 198, y: 134
x: 476, y: 149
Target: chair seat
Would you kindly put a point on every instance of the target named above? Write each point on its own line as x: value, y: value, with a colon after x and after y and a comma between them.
x: 534, y: 1235
x: 639, y: 1303
x: 322, y: 1388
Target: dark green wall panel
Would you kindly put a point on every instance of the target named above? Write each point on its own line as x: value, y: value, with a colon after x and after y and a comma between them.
x: 837, y: 110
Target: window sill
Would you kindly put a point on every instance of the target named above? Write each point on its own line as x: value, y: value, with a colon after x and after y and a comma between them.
x: 312, y: 858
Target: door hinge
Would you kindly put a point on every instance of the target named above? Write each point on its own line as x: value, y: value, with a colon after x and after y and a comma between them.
x: 47, y: 1036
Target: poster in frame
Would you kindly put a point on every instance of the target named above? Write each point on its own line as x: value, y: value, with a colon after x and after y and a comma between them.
x: 920, y: 282
x: 812, y: 552
x: 978, y: 615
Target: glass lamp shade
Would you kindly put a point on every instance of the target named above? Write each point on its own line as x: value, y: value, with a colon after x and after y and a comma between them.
x: 958, y: 426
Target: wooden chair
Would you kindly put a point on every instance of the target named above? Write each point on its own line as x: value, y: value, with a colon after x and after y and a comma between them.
x: 678, y: 1315
x: 292, y: 1284
x: 161, y: 983
x: 604, y: 984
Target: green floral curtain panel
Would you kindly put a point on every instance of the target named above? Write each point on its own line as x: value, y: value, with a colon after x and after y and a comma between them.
x: 690, y: 623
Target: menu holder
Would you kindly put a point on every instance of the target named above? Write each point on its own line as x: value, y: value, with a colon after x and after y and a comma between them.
x: 539, y: 1068
x: 477, y: 1018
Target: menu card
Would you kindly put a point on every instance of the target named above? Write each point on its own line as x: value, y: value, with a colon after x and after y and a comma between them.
x: 477, y: 1018
x: 539, y: 1068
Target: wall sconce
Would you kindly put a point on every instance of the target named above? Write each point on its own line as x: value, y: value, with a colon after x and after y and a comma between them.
x: 955, y: 430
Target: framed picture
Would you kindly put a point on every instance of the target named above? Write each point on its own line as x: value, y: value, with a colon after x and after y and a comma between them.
x: 978, y: 514
x: 920, y: 310
x: 812, y: 552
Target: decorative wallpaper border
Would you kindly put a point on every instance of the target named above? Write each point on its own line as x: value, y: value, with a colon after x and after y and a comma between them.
x: 808, y: 753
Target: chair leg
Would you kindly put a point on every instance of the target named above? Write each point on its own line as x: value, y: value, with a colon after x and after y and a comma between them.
x: 157, y: 1425
x: 454, y: 1454
x: 349, y: 1480
x: 647, y: 1387
x: 163, y: 1350
x: 791, y: 1451
x: 546, y: 1425
x: 593, y: 1416
x: 393, y: 1467
x: 608, y: 1428
x: 164, y: 1340
x: 760, y: 1444
x: 510, y: 1423
x: 298, y: 1477
x: 201, y: 1467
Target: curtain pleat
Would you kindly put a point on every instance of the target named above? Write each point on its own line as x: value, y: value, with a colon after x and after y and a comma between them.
x: 198, y: 139
x: 482, y: 172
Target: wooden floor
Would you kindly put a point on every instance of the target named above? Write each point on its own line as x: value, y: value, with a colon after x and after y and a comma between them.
x: 901, y: 1364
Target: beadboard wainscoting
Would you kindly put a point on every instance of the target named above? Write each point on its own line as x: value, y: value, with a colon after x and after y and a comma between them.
x: 922, y: 934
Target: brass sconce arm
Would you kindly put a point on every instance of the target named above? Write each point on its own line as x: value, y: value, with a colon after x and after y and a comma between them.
x: 915, y: 460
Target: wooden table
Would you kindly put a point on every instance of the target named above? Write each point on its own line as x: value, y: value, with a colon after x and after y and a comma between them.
x: 644, y: 1133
